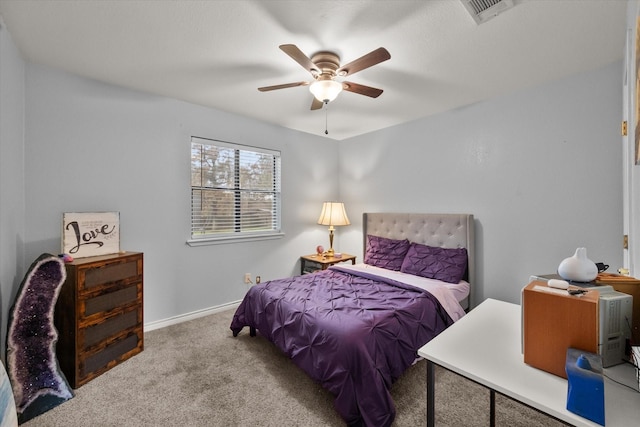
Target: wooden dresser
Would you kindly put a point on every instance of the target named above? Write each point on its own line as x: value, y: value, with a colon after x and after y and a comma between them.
x: 99, y: 315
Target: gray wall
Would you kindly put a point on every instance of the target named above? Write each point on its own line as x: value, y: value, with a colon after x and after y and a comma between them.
x: 95, y: 147
x: 540, y: 170
x: 12, y: 201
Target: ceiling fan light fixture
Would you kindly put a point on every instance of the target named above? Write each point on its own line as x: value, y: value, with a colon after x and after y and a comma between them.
x: 324, y: 66
x: 325, y: 90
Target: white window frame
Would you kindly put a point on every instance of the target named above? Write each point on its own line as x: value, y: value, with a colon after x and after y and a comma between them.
x: 237, y: 234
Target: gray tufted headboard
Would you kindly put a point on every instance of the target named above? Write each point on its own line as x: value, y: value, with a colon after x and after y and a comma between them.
x: 440, y: 230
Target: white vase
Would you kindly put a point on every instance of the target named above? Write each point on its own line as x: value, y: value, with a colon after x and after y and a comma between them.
x: 578, y: 268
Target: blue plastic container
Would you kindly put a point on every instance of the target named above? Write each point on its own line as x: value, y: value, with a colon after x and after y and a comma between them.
x: 585, y: 395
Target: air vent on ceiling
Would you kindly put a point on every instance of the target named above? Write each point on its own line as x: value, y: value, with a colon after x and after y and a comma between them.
x: 483, y: 10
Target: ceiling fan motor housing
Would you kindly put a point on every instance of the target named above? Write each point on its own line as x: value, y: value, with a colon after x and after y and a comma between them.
x: 327, y: 62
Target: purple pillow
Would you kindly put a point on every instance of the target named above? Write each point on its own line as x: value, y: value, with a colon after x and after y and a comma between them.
x: 385, y: 253
x: 448, y: 265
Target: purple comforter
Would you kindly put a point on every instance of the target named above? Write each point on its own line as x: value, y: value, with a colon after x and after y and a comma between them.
x: 353, y: 334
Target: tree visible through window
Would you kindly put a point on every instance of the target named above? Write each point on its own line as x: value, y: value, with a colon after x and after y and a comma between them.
x: 235, y: 190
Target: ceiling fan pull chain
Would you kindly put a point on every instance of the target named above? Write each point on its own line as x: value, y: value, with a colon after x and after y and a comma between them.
x: 326, y: 118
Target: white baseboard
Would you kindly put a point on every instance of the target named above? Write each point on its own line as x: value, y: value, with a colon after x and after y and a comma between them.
x: 158, y: 324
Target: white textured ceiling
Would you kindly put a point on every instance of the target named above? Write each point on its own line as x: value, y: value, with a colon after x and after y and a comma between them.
x: 217, y: 53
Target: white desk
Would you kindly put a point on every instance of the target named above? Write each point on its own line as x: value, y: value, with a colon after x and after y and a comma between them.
x: 485, y: 346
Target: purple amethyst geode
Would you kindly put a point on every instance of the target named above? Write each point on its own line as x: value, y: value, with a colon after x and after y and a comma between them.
x: 38, y: 384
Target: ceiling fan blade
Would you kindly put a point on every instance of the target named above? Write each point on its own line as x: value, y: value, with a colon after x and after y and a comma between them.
x: 362, y: 89
x: 370, y: 59
x: 316, y: 105
x: 302, y: 59
x: 284, y: 86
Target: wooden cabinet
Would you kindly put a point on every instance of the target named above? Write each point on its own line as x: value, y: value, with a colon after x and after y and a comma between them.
x: 99, y: 315
x: 553, y: 321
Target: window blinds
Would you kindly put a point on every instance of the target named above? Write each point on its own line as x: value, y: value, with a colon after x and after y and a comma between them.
x: 235, y: 189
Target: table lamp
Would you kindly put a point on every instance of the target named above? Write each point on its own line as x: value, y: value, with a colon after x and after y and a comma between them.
x: 333, y: 214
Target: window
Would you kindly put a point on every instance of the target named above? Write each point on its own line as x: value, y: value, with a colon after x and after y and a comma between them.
x: 235, y: 191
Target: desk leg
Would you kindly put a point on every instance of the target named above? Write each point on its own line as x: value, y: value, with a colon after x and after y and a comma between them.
x: 431, y: 397
x: 431, y: 394
x: 492, y: 408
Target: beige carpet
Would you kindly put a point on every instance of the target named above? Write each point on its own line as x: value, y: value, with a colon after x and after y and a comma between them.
x: 196, y: 374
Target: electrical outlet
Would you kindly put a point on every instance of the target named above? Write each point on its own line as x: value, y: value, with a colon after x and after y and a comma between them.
x: 247, y: 278
x: 258, y: 279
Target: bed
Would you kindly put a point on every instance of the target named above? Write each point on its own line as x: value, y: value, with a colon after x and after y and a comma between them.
x: 356, y: 329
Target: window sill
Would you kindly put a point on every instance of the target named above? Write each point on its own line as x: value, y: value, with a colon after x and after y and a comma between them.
x: 233, y: 239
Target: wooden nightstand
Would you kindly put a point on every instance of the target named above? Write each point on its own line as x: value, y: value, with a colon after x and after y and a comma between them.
x: 313, y: 263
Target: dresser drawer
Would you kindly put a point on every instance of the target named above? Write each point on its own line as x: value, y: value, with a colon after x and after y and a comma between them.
x: 93, y: 277
x: 108, y: 327
x: 106, y: 302
x: 103, y: 358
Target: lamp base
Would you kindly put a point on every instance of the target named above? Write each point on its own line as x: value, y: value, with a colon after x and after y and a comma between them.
x: 330, y: 252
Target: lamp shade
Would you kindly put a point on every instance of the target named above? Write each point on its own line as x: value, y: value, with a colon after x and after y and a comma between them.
x: 333, y: 213
x: 325, y: 90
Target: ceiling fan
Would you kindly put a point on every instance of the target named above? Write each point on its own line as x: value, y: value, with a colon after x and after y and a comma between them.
x: 325, y: 66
